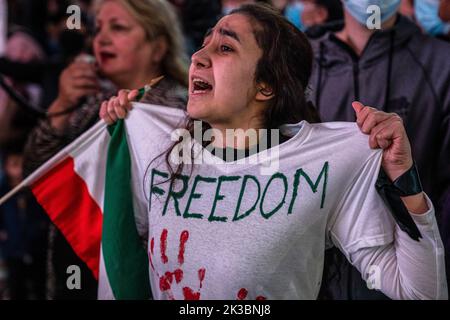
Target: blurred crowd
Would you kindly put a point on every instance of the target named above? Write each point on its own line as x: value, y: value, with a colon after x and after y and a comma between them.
x: 53, y: 78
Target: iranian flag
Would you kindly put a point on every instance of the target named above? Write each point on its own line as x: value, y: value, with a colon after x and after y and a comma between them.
x: 86, y: 191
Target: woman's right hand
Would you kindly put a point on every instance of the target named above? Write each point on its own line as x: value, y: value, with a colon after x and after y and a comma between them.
x: 117, y: 107
x: 78, y: 80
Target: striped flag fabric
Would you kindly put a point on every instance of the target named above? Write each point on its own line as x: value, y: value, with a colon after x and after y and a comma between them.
x: 86, y: 191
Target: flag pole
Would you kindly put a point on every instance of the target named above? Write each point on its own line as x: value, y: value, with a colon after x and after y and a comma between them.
x: 12, y: 192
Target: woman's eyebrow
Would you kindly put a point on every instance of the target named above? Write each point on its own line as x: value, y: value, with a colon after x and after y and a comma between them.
x: 225, y: 32
x: 229, y: 33
x: 117, y: 20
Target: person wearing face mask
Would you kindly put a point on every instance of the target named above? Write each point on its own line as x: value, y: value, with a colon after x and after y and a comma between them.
x: 398, y: 69
x: 427, y: 15
x: 314, y: 16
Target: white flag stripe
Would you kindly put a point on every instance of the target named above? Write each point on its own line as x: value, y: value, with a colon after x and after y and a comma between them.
x: 72, y: 149
x: 94, y: 177
x: 104, y: 291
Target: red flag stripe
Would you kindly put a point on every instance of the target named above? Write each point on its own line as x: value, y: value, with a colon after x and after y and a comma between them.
x: 75, y: 212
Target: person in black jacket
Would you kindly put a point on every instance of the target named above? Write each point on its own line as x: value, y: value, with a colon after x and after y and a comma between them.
x: 398, y: 69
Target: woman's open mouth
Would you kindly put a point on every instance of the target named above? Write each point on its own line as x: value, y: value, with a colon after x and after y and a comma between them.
x: 200, y: 86
x: 107, y: 56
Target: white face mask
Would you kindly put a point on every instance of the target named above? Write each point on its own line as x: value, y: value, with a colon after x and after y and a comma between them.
x: 358, y: 9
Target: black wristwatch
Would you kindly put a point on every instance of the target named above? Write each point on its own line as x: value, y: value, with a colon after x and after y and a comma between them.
x: 408, y: 184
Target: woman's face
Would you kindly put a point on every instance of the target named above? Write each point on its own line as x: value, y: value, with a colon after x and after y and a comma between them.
x: 222, y: 88
x: 120, y: 45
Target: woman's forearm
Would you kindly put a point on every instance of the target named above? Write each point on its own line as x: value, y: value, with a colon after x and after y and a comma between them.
x: 407, y: 269
x: 416, y: 204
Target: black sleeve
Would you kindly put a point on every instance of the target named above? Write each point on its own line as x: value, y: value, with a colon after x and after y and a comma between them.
x: 29, y: 72
x: 396, y: 206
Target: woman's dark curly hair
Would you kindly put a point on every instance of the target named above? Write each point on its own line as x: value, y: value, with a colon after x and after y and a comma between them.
x: 285, y: 65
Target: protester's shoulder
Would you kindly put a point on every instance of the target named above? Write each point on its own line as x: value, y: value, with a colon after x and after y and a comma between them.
x: 160, y: 110
x: 430, y: 41
x: 321, y: 129
x: 432, y: 56
x: 334, y: 128
x: 157, y: 117
x: 345, y: 134
x: 437, y: 49
x: 344, y: 145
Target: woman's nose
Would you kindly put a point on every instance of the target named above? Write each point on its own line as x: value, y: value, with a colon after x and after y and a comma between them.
x: 103, y: 37
x: 200, y: 59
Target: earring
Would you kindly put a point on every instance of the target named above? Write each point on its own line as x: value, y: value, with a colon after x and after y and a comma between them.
x: 265, y: 92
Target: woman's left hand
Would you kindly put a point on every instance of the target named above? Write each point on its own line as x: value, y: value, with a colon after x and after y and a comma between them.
x: 387, y: 132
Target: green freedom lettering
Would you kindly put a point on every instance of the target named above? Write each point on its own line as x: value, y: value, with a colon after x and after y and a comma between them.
x: 241, y: 194
x: 277, y: 175
x: 219, y: 197
x: 195, y: 195
x: 176, y: 195
x: 313, y: 186
x: 269, y: 201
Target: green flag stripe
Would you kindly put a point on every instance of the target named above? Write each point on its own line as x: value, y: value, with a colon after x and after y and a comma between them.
x: 125, y: 258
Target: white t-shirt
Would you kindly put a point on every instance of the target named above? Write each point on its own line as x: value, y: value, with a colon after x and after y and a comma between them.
x: 246, y: 230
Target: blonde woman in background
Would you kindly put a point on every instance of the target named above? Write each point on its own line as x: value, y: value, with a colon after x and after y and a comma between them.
x: 135, y: 42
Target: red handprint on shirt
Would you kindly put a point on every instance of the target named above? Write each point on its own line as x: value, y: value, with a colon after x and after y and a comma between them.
x: 242, y: 295
x: 166, y: 280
